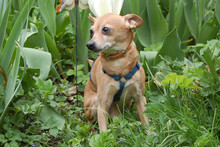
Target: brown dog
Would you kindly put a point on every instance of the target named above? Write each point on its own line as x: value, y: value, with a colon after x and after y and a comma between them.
x: 116, y: 76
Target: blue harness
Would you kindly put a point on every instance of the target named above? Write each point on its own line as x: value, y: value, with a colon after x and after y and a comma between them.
x: 122, y: 80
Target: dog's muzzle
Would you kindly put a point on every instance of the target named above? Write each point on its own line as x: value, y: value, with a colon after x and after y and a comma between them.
x: 92, y: 46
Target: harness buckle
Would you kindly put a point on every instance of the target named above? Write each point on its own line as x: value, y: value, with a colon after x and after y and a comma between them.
x: 123, y: 79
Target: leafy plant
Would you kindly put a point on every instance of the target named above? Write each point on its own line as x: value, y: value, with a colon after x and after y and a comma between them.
x: 7, y: 52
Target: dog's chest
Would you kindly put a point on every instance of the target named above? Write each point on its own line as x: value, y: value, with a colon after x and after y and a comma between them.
x: 131, y: 89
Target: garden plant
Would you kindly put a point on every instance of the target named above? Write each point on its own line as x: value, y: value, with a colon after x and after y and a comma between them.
x: 42, y: 81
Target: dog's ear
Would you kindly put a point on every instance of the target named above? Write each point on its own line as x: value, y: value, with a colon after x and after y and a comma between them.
x: 91, y: 18
x: 133, y: 21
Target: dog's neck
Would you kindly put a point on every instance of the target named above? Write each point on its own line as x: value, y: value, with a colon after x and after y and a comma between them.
x: 119, y: 54
x: 121, y: 64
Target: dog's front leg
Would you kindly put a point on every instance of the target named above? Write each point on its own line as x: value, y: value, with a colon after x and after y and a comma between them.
x: 105, y: 102
x: 102, y: 118
x: 141, y: 108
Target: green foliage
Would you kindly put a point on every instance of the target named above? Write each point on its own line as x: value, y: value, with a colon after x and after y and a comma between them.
x: 171, y: 48
x: 37, y: 59
x: 154, y: 27
x: 174, y: 81
x: 179, y: 50
x: 7, y: 52
x: 49, y: 13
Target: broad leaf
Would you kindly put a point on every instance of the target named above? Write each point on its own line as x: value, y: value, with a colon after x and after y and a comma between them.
x: 48, y: 113
x: 62, y: 20
x: 48, y: 12
x: 180, y: 22
x: 38, y: 39
x: 39, y: 60
x: 154, y: 27
x: 191, y: 17
x: 208, y: 32
x: 82, y: 28
x: 217, y: 9
x: 171, y: 48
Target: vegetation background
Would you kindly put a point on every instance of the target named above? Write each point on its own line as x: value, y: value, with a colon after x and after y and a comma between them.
x: 179, y: 48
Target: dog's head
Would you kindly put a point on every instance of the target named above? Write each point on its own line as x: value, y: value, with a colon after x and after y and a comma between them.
x: 112, y: 33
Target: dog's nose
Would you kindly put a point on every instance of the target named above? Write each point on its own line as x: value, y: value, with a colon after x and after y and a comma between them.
x: 91, y: 45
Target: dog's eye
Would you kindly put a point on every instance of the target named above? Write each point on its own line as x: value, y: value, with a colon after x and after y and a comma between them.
x: 106, y: 29
x: 91, y: 32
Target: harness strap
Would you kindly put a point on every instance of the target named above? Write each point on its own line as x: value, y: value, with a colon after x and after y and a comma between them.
x: 122, y: 80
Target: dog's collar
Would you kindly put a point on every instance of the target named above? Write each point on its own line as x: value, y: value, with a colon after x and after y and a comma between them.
x: 116, y: 56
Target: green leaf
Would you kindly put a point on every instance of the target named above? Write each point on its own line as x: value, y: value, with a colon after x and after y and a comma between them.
x: 174, y: 81
x: 70, y: 72
x: 53, y: 132
x: 27, y: 33
x: 208, y: 32
x: 48, y: 113
x: 144, y: 32
x: 38, y: 39
x: 3, y: 25
x: 191, y: 17
x: 171, y: 48
x: 52, y: 47
x: 180, y: 22
x: 149, y: 56
x: 217, y: 10
x: 171, y: 21
x: 208, y: 59
x: 48, y: 12
x: 10, y: 89
x: 83, y: 27
x: 101, y: 139
x: 62, y: 20
x: 154, y: 26
x: 3, y: 139
x: 39, y: 60
x: 134, y: 5
x: 28, y: 82
x: 15, y: 32
x: 3, y: 7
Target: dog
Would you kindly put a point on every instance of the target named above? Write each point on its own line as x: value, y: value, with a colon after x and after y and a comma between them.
x: 116, y: 76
